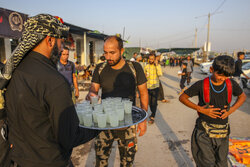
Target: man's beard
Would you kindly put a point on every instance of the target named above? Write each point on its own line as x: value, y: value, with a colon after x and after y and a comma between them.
x: 54, y: 57
x: 151, y: 62
x: 115, y: 62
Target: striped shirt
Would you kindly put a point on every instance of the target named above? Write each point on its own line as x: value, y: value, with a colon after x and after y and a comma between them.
x: 152, y: 73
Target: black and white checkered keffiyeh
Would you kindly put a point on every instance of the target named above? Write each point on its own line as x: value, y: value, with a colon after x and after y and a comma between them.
x: 35, y: 29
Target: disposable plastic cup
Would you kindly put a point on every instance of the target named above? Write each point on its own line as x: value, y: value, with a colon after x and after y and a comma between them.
x: 107, y: 108
x: 98, y: 107
x: 87, y: 107
x: 79, y: 107
x: 87, y: 110
x: 117, y: 99
x: 86, y: 102
x: 94, y: 99
x: 128, y: 119
x: 87, y: 119
x: 80, y: 116
x: 101, y: 120
x: 95, y: 112
x: 108, y: 111
x: 128, y: 106
x: 114, y: 121
x: 120, y: 111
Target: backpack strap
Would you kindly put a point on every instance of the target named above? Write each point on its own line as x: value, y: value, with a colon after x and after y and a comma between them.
x: 102, y: 67
x: 132, y: 68
x: 229, y: 92
x: 206, y: 91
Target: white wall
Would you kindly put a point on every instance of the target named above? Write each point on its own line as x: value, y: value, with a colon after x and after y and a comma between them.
x: 98, y: 48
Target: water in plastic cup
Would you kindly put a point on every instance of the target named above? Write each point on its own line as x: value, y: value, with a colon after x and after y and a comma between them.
x: 128, y: 119
x: 98, y: 107
x: 95, y: 112
x: 128, y: 106
x: 86, y: 102
x: 79, y: 107
x: 80, y: 116
x: 114, y: 121
x: 119, y: 108
x: 117, y: 99
x: 101, y: 120
x: 94, y: 99
x: 87, y: 119
x: 108, y: 110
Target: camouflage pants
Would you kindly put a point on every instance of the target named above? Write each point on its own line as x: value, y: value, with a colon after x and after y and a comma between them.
x: 127, y: 144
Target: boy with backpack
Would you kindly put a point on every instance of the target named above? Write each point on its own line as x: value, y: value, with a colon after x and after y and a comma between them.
x: 210, y: 138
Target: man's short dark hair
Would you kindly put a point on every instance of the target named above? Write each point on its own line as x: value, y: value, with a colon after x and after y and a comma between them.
x: 224, y: 65
x: 152, y: 54
x: 135, y: 53
x: 118, y: 39
x: 240, y: 53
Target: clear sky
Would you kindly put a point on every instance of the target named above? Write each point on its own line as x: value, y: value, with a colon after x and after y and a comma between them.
x: 153, y: 23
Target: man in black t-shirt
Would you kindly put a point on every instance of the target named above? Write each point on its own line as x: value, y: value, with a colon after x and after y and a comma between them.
x: 210, y: 137
x: 238, y: 69
x: 116, y: 79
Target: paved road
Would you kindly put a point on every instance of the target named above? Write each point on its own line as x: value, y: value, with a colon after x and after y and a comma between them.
x: 167, y: 142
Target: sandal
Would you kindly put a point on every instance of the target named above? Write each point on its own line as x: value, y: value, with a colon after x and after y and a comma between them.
x: 151, y: 121
x: 165, y: 101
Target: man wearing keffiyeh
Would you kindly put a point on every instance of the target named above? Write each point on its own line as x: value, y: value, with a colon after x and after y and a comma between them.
x: 43, y: 124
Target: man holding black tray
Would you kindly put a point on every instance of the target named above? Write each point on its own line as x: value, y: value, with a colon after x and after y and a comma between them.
x: 118, y: 78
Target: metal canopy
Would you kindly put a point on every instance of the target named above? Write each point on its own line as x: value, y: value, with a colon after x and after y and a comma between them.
x: 80, y: 31
x: 180, y: 51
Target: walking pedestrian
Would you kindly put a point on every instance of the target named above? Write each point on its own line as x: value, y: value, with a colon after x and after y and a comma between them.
x: 67, y: 69
x: 153, y: 71
x: 183, y: 77
x: 43, y: 124
x: 238, y: 69
x: 118, y: 78
x: 190, y: 66
x: 210, y: 138
x: 134, y: 57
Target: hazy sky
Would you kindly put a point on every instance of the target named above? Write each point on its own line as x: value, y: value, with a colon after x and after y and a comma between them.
x: 156, y: 23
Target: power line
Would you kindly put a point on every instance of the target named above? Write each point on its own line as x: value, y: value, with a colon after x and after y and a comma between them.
x: 218, y: 7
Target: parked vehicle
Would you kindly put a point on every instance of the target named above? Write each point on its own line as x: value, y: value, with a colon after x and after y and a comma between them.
x: 246, y: 70
x: 205, y: 67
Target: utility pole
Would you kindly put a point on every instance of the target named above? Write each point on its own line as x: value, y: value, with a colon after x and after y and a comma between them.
x: 208, y: 29
x: 123, y: 34
x: 195, y: 42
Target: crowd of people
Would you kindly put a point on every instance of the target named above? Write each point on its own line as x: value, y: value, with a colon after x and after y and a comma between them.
x: 38, y: 107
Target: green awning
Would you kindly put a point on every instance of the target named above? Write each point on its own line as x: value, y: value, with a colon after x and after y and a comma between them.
x: 179, y: 51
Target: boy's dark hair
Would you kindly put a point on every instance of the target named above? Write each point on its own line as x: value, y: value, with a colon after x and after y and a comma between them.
x: 224, y: 65
x: 185, y: 64
x: 240, y: 53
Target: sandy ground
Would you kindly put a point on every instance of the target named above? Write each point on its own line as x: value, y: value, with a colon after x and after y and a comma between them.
x: 167, y: 142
